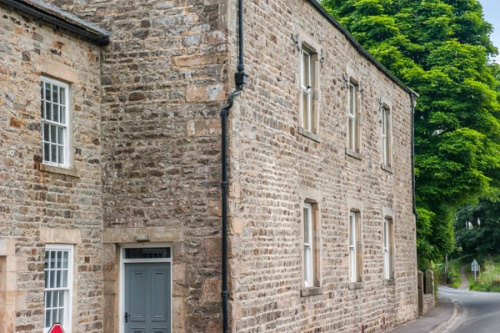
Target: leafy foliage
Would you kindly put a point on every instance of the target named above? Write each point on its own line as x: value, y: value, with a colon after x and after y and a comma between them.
x: 441, y: 49
x: 477, y: 228
x: 489, y: 279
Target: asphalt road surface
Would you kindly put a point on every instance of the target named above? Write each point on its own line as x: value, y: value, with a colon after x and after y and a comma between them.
x: 478, y: 312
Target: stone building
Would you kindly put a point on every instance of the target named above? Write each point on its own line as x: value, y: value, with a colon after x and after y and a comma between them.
x: 50, y: 170
x: 110, y: 173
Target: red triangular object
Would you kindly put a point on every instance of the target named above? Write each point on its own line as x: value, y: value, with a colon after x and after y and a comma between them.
x: 57, y: 328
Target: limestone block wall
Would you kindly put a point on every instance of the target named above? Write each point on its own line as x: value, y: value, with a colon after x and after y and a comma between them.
x: 274, y: 169
x: 164, y: 81
x: 40, y: 205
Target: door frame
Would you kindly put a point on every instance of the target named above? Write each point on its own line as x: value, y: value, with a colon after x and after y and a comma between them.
x: 123, y: 261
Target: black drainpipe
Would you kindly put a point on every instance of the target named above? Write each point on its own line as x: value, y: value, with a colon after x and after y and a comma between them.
x: 412, y: 101
x: 240, y: 79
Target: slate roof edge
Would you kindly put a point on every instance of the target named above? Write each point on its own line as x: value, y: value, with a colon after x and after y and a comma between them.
x: 48, y: 13
x: 358, y: 47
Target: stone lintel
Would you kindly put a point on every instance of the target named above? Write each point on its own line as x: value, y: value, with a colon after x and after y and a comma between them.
x: 60, y: 236
x: 133, y: 235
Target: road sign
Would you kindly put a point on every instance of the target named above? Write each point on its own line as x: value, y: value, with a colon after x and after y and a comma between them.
x: 56, y: 328
x: 474, y: 267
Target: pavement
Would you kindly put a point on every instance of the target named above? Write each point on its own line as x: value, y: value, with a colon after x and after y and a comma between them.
x: 434, y: 321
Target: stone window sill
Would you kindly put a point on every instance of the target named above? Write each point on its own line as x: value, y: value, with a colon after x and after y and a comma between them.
x: 312, y: 291
x: 356, y: 285
x: 389, y: 282
x: 387, y: 168
x: 354, y: 154
x: 309, y: 135
x: 72, y: 172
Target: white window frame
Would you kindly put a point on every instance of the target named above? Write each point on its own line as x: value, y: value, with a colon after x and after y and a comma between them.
x: 353, y: 117
x: 55, y: 123
x: 66, y: 290
x: 353, y: 276
x: 308, y: 245
x: 308, y: 109
x: 388, y: 249
x: 386, y: 136
x: 355, y: 260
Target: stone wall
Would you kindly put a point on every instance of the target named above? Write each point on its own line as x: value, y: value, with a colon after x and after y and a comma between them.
x: 274, y: 169
x: 165, y: 77
x: 163, y: 85
x: 39, y: 204
x: 426, y: 291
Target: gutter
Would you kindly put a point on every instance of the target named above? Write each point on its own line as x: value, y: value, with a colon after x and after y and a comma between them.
x: 50, y: 14
x: 412, y: 105
x: 241, y: 79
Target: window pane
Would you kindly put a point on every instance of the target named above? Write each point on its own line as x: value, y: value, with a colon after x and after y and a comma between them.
x: 64, y: 279
x: 52, y: 279
x: 48, y: 295
x: 61, y: 299
x: 48, y: 88
x: 56, y: 112
x: 55, y: 94
x: 52, y: 259
x: 306, y: 225
x: 65, y: 259
x: 54, y: 317
x: 352, y: 230
x: 153, y: 252
x: 353, y: 264
x: 350, y: 133
x: 351, y: 99
x: 306, y: 69
x: 60, y: 135
x: 48, y: 314
x: 385, y: 233
x: 307, y: 264
x: 53, y: 134
x: 61, y: 316
x: 384, y: 115
x: 59, y: 259
x: 63, y: 115
x: 312, y: 119
x: 46, y: 132
x: 305, y: 110
x: 48, y: 113
x: 46, y: 152
x: 53, y: 153
x: 60, y: 154
x: 59, y: 282
x: 63, y: 95
x: 42, y: 103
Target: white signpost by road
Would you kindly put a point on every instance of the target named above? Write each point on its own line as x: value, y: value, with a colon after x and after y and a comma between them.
x: 474, y: 267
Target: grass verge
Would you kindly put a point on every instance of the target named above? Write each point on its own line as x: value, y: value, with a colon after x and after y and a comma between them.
x: 489, y: 278
x: 454, y: 279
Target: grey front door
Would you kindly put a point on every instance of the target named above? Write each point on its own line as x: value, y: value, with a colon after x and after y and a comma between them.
x: 147, y: 298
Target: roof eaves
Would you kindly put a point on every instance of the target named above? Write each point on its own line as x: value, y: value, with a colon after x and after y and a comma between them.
x: 48, y: 13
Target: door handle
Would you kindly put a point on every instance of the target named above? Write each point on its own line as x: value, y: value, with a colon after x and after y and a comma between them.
x: 126, y: 317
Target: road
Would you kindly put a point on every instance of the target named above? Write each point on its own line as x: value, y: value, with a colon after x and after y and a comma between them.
x: 478, y: 312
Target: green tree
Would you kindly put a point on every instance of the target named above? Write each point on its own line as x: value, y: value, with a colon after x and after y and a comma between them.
x: 441, y: 50
x: 477, y: 228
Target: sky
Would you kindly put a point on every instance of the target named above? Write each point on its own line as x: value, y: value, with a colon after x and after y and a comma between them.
x: 491, y: 10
